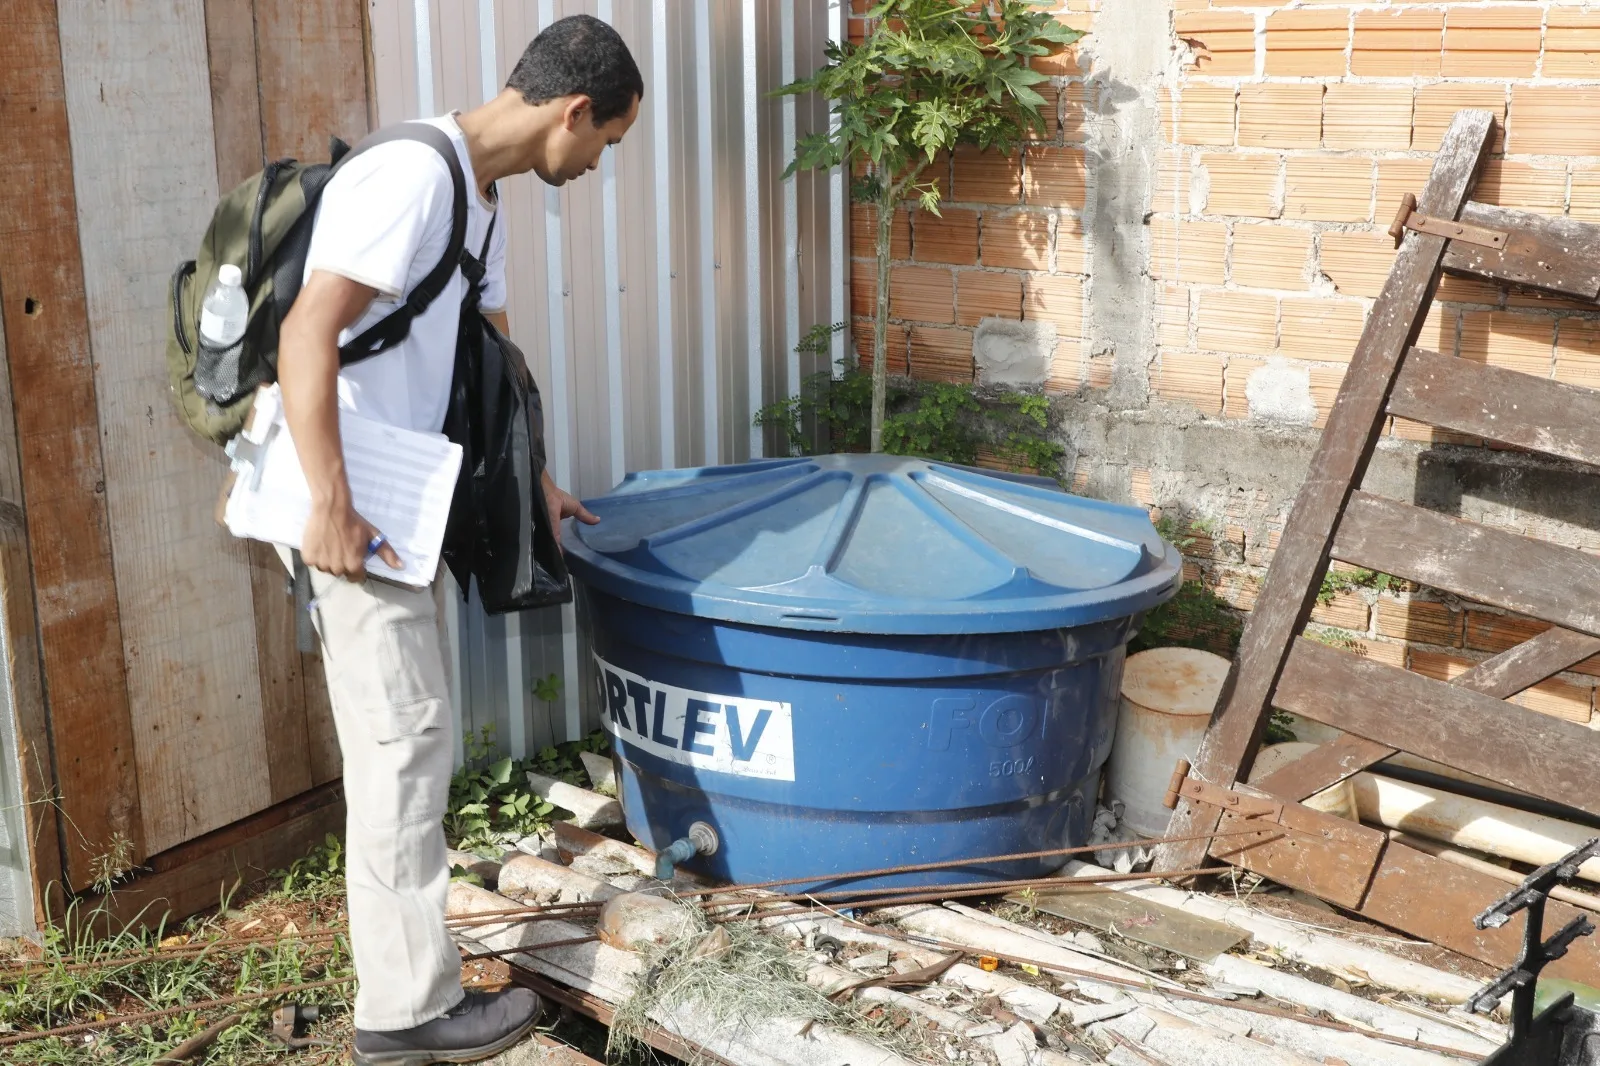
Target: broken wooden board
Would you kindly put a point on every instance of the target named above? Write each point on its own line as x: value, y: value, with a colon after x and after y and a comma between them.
x: 1348, y: 441
x: 1139, y: 920
x: 1546, y: 252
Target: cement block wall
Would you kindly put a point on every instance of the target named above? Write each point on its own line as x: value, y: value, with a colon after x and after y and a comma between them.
x: 1203, y: 226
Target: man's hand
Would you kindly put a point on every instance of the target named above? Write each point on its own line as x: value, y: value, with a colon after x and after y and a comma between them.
x: 564, y: 505
x: 336, y: 540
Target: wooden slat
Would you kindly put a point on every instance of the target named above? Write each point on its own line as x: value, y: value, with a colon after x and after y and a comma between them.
x: 1515, y: 669
x: 235, y: 89
x: 1499, y: 404
x: 314, y: 83
x: 1323, y: 854
x: 1549, y: 252
x: 1502, y: 677
x: 194, y: 876
x: 63, y: 479
x: 1520, y: 574
x: 1433, y: 899
x: 279, y: 664
x: 1528, y: 751
x: 1323, y: 767
x: 312, y: 61
x: 236, y: 113
x: 1352, y: 432
x: 23, y: 681
x: 144, y: 168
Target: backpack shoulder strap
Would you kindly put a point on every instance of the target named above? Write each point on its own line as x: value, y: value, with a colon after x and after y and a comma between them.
x: 393, y: 328
x: 474, y: 269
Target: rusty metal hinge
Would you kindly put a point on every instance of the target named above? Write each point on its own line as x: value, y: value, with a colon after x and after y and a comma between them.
x: 1246, y: 806
x: 1408, y: 217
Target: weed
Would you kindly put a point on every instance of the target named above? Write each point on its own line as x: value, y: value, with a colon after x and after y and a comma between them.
x: 491, y: 804
x: 84, y: 977
x: 943, y: 421
x: 1336, y: 581
x: 1195, y: 618
x: 1280, y: 728
x: 108, y: 867
x: 317, y: 875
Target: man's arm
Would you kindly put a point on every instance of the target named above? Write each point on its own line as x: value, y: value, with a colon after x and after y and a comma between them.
x: 560, y: 504
x: 336, y: 537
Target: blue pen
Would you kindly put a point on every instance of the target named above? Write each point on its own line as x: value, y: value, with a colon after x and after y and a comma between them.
x: 373, y: 545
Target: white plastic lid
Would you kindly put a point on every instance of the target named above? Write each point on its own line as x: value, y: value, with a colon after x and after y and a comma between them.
x: 1174, y: 680
x: 229, y: 274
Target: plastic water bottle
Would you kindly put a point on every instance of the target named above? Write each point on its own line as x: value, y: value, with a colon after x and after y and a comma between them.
x: 224, y: 313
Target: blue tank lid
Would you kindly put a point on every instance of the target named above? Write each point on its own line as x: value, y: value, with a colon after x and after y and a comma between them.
x: 871, y: 544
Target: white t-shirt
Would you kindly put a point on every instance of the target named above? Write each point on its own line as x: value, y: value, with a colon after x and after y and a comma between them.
x: 384, y: 221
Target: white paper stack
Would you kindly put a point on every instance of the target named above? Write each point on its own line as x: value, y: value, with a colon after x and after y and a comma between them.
x: 400, y: 480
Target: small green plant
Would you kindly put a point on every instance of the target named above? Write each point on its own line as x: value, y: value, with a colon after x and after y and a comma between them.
x: 79, y: 974
x: 492, y: 805
x: 316, y: 875
x: 1195, y: 618
x: 1336, y: 581
x: 930, y: 74
x: 1280, y: 729
x: 945, y: 421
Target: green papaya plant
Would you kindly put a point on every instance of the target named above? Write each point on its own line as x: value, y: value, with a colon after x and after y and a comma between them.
x: 931, y: 74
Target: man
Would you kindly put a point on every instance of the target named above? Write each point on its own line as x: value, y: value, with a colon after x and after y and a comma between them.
x: 382, y: 225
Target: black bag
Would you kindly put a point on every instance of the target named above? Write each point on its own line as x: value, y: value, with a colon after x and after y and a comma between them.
x: 499, y: 530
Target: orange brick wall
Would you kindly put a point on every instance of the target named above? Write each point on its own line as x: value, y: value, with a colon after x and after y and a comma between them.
x: 1289, y: 130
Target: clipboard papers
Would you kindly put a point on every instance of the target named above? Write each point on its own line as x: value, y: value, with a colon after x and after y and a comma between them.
x: 401, y: 481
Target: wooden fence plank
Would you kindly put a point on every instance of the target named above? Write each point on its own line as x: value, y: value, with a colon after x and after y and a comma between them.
x: 195, y: 876
x: 1549, y: 252
x: 47, y: 335
x: 1528, y: 751
x: 1347, y: 443
x: 1499, y: 404
x: 1520, y: 574
x: 313, y: 68
x: 236, y: 117
x: 145, y: 174
x: 24, y: 681
x: 235, y: 89
x: 1502, y: 677
x: 312, y: 59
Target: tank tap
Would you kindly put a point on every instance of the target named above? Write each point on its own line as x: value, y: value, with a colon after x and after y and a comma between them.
x: 701, y: 840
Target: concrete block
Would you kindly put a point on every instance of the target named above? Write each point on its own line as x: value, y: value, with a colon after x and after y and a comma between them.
x: 1013, y: 353
x: 1281, y: 392
x: 590, y: 810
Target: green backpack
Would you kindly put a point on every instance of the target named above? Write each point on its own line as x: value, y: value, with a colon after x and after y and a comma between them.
x: 263, y: 226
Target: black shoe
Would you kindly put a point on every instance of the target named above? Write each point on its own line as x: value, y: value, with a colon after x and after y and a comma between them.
x: 481, y: 1025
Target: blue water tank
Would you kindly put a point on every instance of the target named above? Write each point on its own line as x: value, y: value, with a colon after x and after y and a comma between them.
x: 850, y: 662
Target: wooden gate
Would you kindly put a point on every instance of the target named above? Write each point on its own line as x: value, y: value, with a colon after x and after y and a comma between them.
x: 1467, y: 723
x: 164, y: 716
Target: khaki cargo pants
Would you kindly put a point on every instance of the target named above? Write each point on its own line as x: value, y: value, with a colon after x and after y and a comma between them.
x: 383, y: 648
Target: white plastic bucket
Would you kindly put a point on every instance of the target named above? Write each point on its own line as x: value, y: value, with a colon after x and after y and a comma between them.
x: 1167, y: 698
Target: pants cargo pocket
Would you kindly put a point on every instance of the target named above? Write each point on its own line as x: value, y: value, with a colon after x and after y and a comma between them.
x: 409, y: 686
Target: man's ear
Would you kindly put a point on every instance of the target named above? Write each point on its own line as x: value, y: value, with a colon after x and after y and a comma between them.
x: 578, y: 109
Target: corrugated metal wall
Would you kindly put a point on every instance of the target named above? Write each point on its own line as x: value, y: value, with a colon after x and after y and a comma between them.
x: 660, y: 300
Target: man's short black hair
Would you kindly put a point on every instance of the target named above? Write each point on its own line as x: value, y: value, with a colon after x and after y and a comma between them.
x: 579, y: 55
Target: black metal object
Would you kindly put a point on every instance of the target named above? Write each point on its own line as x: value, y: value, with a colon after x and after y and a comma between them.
x: 1535, y: 1041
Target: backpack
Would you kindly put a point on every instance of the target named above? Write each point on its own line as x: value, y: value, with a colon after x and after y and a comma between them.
x: 264, y: 227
